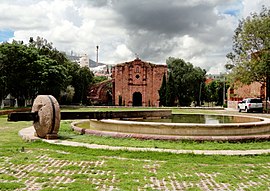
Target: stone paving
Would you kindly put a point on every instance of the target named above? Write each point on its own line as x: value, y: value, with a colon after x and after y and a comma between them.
x: 45, y: 171
x: 48, y: 172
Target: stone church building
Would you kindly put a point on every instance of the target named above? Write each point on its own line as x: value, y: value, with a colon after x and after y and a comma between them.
x: 136, y: 83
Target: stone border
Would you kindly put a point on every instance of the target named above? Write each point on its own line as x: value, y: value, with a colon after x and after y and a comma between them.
x: 263, y: 125
x: 28, y: 134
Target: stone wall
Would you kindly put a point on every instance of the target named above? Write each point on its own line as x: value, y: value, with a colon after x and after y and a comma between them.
x: 100, y: 94
x: 232, y: 104
x: 245, y: 91
x: 139, y: 77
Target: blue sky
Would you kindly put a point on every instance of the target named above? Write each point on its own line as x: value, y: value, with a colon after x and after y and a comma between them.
x: 232, y: 12
x: 6, y: 34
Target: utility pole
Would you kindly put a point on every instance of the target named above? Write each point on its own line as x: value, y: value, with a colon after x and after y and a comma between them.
x: 97, y: 56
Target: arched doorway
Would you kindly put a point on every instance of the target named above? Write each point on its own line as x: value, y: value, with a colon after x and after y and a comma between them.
x: 137, y: 99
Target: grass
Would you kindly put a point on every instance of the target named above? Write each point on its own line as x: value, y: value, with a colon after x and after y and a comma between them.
x: 54, y: 167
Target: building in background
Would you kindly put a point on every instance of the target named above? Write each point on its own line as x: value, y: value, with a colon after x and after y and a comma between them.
x: 84, y: 61
x: 254, y: 90
x: 236, y: 94
x: 136, y: 83
x: 81, y: 60
x: 101, y: 93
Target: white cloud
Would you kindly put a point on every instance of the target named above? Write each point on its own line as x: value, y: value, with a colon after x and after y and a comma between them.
x: 123, y: 52
x: 197, y: 31
x: 253, y: 6
x: 217, y: 69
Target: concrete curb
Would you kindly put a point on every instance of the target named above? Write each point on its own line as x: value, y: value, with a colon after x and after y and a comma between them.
x: 145, y: 136
x: 28, y: 134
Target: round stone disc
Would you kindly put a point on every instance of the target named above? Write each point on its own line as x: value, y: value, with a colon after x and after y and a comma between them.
x: 48, y: 122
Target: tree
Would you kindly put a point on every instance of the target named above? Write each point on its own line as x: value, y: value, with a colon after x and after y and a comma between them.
x: 29, y: 70
x: 17, y: 58
x: 67, y: 95
x: 82, y: 78
x: 251, y: 49
x: 51, y: 77
x: 162, y: 91
x: 170, y: 91
x: 98, y: 79
x: 198, y: 85
x: 3, y: 76
x: 215, y: 89
x: 46, y: 48
x: 188, y: 80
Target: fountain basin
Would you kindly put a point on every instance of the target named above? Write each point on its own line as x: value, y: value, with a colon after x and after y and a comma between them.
x: 259, y: 129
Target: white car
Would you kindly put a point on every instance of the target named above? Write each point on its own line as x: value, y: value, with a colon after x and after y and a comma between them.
x: 250, y: 104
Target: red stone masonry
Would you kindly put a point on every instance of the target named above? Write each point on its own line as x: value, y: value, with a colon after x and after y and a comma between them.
x: 139, y: 77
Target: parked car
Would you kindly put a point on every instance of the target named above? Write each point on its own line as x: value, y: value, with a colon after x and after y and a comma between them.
x: 250, y: 104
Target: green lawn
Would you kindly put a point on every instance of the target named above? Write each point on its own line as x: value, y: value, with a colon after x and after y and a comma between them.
x: 41, y: 166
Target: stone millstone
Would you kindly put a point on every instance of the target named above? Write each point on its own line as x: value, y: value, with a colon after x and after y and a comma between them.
x: 48, y: 122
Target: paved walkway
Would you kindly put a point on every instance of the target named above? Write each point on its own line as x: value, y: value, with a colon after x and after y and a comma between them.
x: 28, y: 134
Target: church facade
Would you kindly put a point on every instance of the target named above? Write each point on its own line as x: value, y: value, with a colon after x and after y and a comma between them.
x: 136, y: 83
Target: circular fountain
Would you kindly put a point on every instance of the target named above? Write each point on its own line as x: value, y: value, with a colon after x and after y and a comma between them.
x: 46, y: 119
x: 227, y: 128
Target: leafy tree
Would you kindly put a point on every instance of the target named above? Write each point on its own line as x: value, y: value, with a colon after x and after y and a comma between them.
x: 40, y: 43
x: 251, y: 49
x: 162, y: 91
x: 198, y: 85
x: 51, y: 77
x: 3, y: 76
x: 46, y: 48
x: 17, y: 60
x: 187, y: 79
x: 170, y: 91
x: 215, y: 91
x: 67, y: 95
x: 82, y: 79
x: 38, y: 68
x: 98, y: 79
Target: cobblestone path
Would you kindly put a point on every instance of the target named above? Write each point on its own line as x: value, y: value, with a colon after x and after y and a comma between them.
x: 44, y: 171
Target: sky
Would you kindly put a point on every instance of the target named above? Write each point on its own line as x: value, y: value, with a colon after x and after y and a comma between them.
x: 197, y: 31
